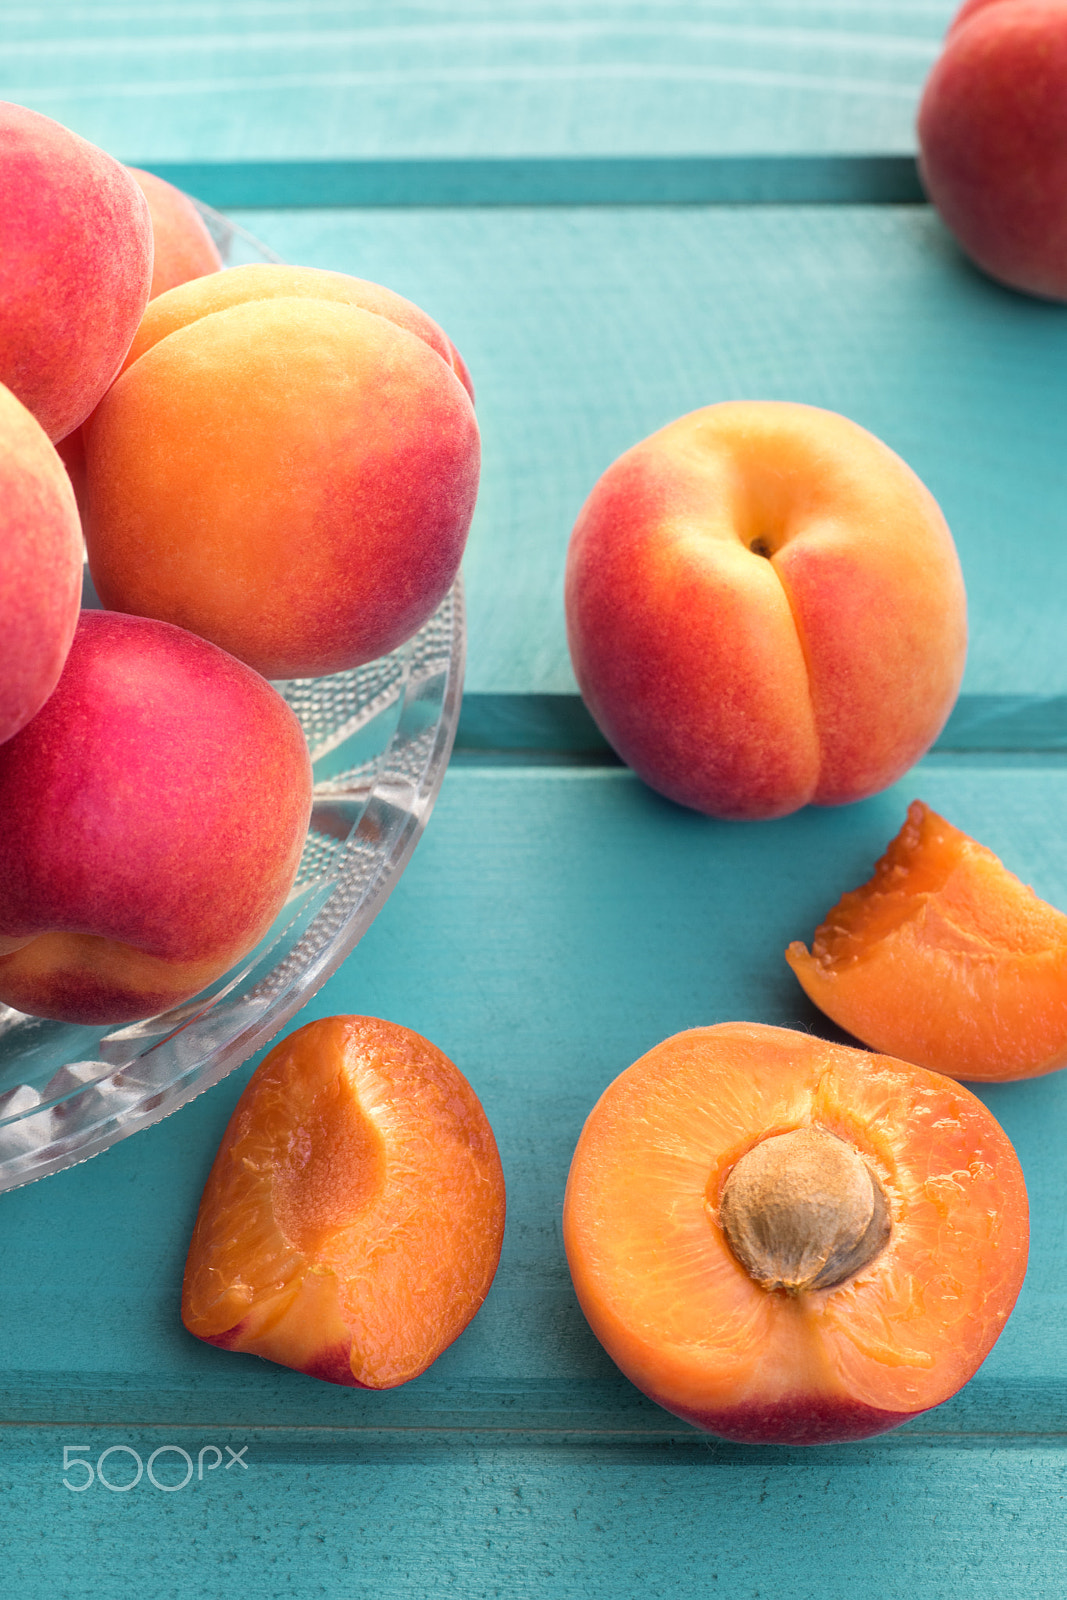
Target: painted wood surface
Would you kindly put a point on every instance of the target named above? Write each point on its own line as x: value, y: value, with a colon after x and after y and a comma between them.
x: 892, y: 1522
x: 557, y: 918
x: 554, y: 923
x: 285, y: 79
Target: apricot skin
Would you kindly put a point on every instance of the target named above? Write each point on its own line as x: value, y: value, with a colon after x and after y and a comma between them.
x: 765, y: 609
x: 992, y: 131
x: 152, y: 817
x: 352, y: 1221
x: 183, y: 248
x: 75, y: 267
x: 944, y: 958
x: 680, y: 1315
x: 292, y: 478
x: 276, y: 281
x: 40, y: 566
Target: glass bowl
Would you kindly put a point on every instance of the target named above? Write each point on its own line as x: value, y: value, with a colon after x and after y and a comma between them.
x: 380, y: 737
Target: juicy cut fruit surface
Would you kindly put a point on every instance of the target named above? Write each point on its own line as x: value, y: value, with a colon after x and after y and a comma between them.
x: 352, y: 1221
x: 683, y: 1318
x: 945, y: 958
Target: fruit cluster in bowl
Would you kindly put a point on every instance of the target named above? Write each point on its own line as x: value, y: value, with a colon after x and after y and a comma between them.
x: 273, y: 470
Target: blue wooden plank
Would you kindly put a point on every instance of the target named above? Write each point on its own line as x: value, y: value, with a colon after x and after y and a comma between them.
x: 552, y: 926
x: 566, y: 181
x: 891, y: 1524
x: 285, y: 81
x: 586, y: 329
x: 548, y: 726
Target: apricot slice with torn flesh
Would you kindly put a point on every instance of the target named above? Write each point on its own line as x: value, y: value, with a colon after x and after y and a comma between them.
x: 944, y: 958
x: 352, y: 1222
x: 787, y: 1241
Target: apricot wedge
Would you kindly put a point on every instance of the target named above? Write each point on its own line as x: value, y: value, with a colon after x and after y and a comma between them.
x: 787, y: 1241
x: 944, y: 958
x: 352, y: 1222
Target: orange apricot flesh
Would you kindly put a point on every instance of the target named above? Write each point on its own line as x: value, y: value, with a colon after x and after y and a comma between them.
x: 351, y: 1224
x: 682, y: 1317
x: 944, y: 958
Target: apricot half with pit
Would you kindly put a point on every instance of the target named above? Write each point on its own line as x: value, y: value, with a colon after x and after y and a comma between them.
x: 351, y: 1224
x: 945, y: 958
x: 786, y: 1241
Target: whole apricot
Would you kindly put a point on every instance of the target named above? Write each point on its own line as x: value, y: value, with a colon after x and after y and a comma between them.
x: 152, y: 818
x: 765, y: 608
x: 290, y: 476
x: 992, y: 132
x: 183, y: 247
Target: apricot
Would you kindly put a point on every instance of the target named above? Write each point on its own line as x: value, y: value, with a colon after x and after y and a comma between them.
x: 945, y: 958
x: 75, y: 267
x: 764, y: 610
x: 183, y: 248
x: 291, y: 476
x: 152, y: 818
x: 788, y: 1241
x: 40, y: 566
x: 351, y: 1224
x: 992, y: 132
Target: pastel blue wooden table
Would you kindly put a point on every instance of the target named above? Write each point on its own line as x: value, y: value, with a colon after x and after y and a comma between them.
x: 619, y: 212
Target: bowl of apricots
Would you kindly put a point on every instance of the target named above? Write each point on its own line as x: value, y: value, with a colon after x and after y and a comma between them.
x: 220, y: 740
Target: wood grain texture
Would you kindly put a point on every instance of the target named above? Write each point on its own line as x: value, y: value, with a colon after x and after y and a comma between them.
x: 552, y: 181
x: 552, y: 926
x: 894, y: 1523
x: 586, y: 329
x: 282, y: 79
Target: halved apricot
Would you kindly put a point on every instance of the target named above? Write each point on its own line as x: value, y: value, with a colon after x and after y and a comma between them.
x: 352, y: 1222
x: 944, y: 958
x: 788, y: 1241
